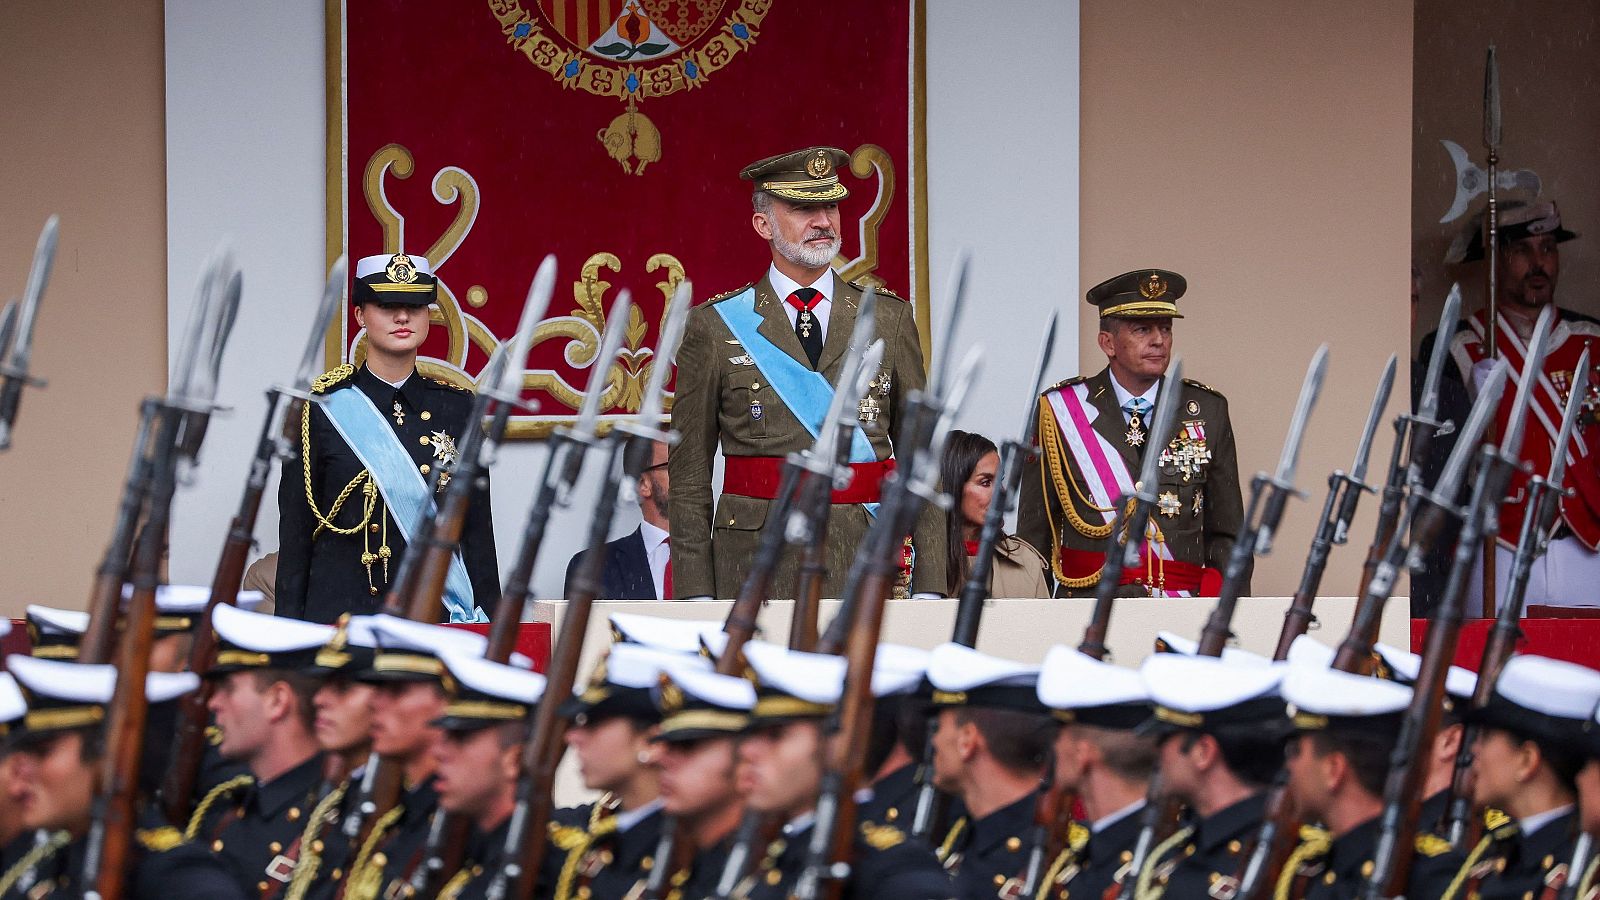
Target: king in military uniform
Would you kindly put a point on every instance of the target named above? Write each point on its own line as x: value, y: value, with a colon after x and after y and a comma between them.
x: 373, y: 451
x: 756, y: 373
x: 1093, y: 435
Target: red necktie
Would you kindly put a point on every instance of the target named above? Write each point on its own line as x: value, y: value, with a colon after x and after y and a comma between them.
x: 807, y: 327
x: 666, y: 577
x: 972, y: 548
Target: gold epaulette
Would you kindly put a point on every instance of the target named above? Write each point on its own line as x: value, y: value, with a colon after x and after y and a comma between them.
x: 1202, y: 386
x: 1431, y: 845
x: 333, y: 376
x: 1065, y: 382
x: 1077, y: 837
x: 882, y: 837
x: 443, y: 382
x: 1495, y: 818
x: 878, y: 289
x: 567, y: 836
x: 733, y: 293
x: 158, y: 840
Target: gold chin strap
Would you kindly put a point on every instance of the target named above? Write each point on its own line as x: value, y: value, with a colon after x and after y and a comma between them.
x: 369, y: 507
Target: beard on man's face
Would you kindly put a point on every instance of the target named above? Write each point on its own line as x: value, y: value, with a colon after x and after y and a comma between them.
x: 804, y: 254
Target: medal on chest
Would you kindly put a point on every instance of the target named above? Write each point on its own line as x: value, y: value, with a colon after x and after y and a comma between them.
x: 1135, y: 433
x: 444, y: 450
x: 1187, y: 454
x: 399, y: 413
x: 805, y: 322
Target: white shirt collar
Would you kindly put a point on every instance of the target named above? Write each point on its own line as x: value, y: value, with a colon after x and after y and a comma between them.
x: 653, y: 536
x: 783, y: 285
x: 631, y: 817
x: 1538, y: 820
x: 1104, y: 822
x: 1124, y: 395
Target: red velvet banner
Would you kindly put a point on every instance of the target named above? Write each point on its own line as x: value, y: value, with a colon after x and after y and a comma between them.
x: 483, y: 134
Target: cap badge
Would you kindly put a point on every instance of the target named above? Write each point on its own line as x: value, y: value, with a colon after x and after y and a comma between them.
x: 819, y: 166
x: 1152, y: 287
x: 671, y: 697
x: 401, y: 270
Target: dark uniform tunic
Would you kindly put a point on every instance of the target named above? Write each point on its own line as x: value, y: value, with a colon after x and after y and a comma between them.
x: 323, y: 864
x: 883, y: 864
x: 1200, y: 510
x: 255, y: 829
x: 162, y: 868
x: 320, y: 573
x: 1092, y: 862
x: 485, y: 856
x: 595, y: 854
x: 396, y: 853
x: 1204, y: 860
x: 724, y: 399
x: 1507, y: 863
x: 1337, y: 869
x: 987, y: 856
x: 894, y: 798
x: 704, y: 872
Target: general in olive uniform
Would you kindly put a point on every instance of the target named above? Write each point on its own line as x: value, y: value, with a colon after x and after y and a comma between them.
x: 1093, y: 435
x: 755, y: 374
x: 373, y: 452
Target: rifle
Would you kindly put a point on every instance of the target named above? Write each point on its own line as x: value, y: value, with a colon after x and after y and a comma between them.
x: 1491, y: 254
x: 832, y: 837
x: 1413, y: 436
x: 824, y: 468
x: 109, y: 843
x: 278, y: 437
x: 16, y: 347
x: 561, y: 469
x: 1268, y: 496
x: 446, y: 845
x: 1543, y: 507
x: 1344, y: 493
x: 630, y: 448
x: 1392, y: 857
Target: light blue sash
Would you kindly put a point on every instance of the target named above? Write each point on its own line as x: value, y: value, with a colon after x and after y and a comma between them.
x: 369, y: 436
x: 804, y: 391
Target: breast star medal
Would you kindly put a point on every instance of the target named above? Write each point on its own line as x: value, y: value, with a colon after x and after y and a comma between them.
x: 1135, y: 435
x: 444, y: 450
x: 867, y: 410
x: 1168, y: 504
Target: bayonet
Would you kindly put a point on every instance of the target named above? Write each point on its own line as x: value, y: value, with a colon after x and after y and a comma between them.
x: 321, y: 320
x: 1455, y: 466
x: 504, y: 383
x: 583, y: 430
x: 44, y: 257
x: 1283, y: 479
x: 1532, y: 367
x: 957, y: 295
x: 1569, y: 419
x: 1428, y: 402
x: 1358, y: 470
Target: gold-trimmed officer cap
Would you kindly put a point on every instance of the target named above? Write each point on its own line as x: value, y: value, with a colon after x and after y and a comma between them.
x: 63, y: 696
x: 697, y: 704
x: 1143, y: 293
x: 961, y: 676
x: 1079, y: 689
x: 394, y: 278
x: 1324, y: 699
x: 12, y: 704
x: 349, y: 652
x: 252, y: 640
x: 179, y: 607
x: 804, y: 176
x: 1211, y: 695
x: 484, y: 693
x: 409, y: 651
x: 55, y: 633
x: 621, y: 684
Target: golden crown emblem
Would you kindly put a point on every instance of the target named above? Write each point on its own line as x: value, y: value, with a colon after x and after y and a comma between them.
x: 819, y: 166
x: 671, y: 696
x: 1152, y: 287
x: 401, y: 270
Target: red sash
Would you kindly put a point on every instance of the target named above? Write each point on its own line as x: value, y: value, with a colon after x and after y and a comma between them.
x: 1160, y: 574
x: 1580, y: 511
x: 761, y: 476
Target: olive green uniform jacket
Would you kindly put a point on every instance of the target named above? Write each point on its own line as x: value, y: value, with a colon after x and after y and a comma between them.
x: 718, y: 392
x: 1201, y: 510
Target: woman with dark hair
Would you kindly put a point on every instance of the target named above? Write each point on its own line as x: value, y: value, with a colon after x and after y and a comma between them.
x: 968, y: 473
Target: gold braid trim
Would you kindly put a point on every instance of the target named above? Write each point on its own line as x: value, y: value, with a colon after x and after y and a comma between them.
x: 1053, y: 463
x: 33, y: 858
x: 600, y: 826
x: 1587, y: 885
x: 216, y: 795
x: 1466, y: 867
x: 369, y: 490
x: 950, y: 839
x: 364, y: 881
x: 1048, y: 882
x: 458, y: 882
x: 1145, y: 888
x: 1313, y: 845
x: 305, y: 871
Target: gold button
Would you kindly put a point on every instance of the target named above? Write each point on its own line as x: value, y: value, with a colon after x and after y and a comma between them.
x: 999, y: 880
x: 1328, y: 878
x: 426, y: 415
x: 380, y: 859
x: 1234, y: 846
x: 1547, y: 862
x: 373, y: 528
x: 892, y: 814
x: 424, y: 469
x: 294, y: 816
x: 584, y: 893
x: 337, y: 874
x: 316, y: 846
x: 1013, y: 844
x: 648, y: 863
x: 261, y: 886
x: 774, y: 876
x: 1366, y: 868
x: 1127, y: 856
x: 606, y: 858
x: 755, y: 385
x: 216, y: 846
x: 424, y: 440
x: 1189, y: 850
x: 274, y: 847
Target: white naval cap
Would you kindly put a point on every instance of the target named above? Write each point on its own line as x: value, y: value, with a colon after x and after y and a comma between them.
x: 187, y: 600
x: 12, y: 704
x: 961, y: 676
x: 622, y: 681
x: 409, y: 651
x: 679, y: 635
x: 1168, y: 642
x: 372, y: 265
x: 63, y: 695
x: 1308, y: 651
x: 55, y: 633
x: 350, y: 650
x: 696, y: 704
x: 1403, y: 666
x: 484, y: 693
x: 1541, y: 698
x: 794, y: 684
x: 1205, y: 693
x: 1079, y: 688
x: 252, y: 640
x: 1324, y: 699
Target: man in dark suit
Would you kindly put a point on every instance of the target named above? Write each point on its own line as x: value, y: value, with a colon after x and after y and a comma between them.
x: 638, y: 566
